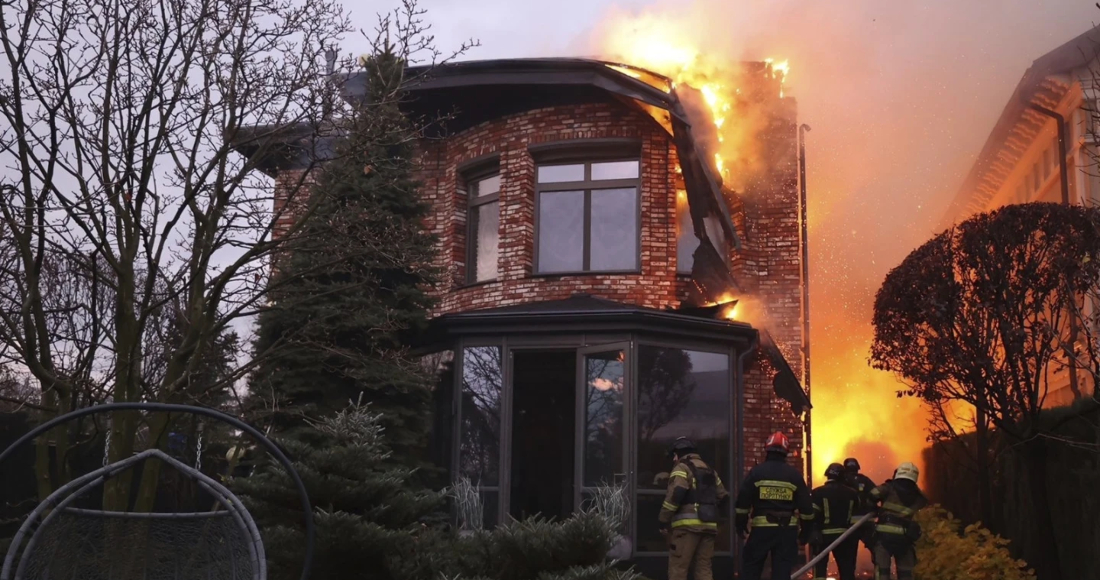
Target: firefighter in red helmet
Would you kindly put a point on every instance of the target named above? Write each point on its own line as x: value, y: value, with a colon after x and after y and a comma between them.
x: 773, y: 498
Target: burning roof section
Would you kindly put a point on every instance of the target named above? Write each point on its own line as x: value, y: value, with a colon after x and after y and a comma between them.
x: 1045, y: 83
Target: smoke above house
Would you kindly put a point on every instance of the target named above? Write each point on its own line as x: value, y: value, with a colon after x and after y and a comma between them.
x: 900, y: 98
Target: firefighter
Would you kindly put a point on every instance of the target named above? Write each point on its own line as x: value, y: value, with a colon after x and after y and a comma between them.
x: 834, y: 504
x: 863, y: 485
x: 768, y: 498
x: 689, y: 516
x: 897, y: 501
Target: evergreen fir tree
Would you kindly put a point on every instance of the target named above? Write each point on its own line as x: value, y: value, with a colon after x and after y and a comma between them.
x: 353, y: 285
x: 368, y: 518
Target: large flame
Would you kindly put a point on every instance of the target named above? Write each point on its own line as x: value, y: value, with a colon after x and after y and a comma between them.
x: 856, y: 413
x: 644, y: 41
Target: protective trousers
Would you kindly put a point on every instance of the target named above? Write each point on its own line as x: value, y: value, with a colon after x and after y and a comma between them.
x: 780, y: 542
x: 685, y: 547
x: 904, y: 559
x: 844, y: 554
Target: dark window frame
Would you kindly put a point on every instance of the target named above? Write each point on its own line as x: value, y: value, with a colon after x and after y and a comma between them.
x: 473, y: 173
x: 587, y: 185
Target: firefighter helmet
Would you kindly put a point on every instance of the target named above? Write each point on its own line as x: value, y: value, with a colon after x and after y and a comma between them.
x: 778, y: 442
x: 834, y: 471
x: 907, y: 471
x: 681, y: 446
x: 851, y: 464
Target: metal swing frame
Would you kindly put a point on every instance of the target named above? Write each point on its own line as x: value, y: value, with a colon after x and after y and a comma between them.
x: 59, y: 501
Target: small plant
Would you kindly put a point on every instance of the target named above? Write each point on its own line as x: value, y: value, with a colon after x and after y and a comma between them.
x: 612, y: 502
x: 471, y: 512
x: 975, y: 554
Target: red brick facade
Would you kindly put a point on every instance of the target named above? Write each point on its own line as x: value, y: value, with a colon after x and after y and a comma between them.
x: 767, y: 217
x: 657, y: 286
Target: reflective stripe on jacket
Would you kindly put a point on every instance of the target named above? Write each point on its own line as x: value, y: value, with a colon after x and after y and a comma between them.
x: 834, y: 505
x: 897, y: 507
x: 774, y: 488
x: 677, y: 512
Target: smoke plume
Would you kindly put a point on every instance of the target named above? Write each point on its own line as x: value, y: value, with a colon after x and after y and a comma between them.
x: 900, y: 97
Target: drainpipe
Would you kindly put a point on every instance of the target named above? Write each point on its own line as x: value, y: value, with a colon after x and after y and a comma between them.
x: 740, y: 396
x: 1064, y: 171
x: 802, y: 130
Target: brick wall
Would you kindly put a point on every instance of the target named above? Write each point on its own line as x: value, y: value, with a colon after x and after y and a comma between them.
x: 657, y: 286
x: 769, y: 265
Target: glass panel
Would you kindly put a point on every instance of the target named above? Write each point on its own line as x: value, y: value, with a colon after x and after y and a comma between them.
x: 487, y: 186
x: 682, y: 393
x: 561, y: 173
x: 603, y: 417
x: 543, y: 433
x: 440, y: 366
x: 614, y: 229
x: 686, y: 242
x: 615, y: 170
x: 490, y: 505
x: 479, y: 451
x: 561, y: 231
x: 649, y: 535
x: 486, y: 241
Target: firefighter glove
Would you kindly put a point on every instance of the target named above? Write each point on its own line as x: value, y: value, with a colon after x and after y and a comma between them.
x: 742, y: 524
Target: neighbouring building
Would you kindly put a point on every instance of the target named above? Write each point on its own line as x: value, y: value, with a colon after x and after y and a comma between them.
x: 593, y: 261
x: 1019, y: 162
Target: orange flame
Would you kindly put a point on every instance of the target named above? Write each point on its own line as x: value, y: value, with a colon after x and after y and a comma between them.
x: 644, y: 41
x: 856, y: 412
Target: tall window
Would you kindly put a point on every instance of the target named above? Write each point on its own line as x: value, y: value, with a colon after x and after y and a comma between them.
x: 484, y: 228
x: 479, y: 445
x: 588, y: 217
x: 681, y: 393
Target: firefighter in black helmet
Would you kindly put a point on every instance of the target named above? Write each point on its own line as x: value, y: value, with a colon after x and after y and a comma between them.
x: 769, y: 498
x: 690, y: 513
x: 863, y: 486
x: 834, y: 504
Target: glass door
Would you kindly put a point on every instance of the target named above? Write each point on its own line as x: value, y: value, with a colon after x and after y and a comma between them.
x: 601, y: 418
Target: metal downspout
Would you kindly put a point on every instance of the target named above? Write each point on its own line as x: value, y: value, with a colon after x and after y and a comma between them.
x: 802, y: 130
x: 1064, y: 174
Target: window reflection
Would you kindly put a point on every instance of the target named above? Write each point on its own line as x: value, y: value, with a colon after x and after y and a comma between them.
x: 614, y: 229
x: 481, y: 389
x: 603, y: 421
x: 681, y: 393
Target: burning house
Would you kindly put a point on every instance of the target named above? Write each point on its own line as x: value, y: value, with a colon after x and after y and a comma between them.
x: 610, y: 285
x: 1042, y: 148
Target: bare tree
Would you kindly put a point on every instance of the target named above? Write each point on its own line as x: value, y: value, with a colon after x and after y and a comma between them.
x: 121, y: 118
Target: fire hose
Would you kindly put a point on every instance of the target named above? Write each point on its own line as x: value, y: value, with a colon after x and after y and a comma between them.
x: 825, y: 553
